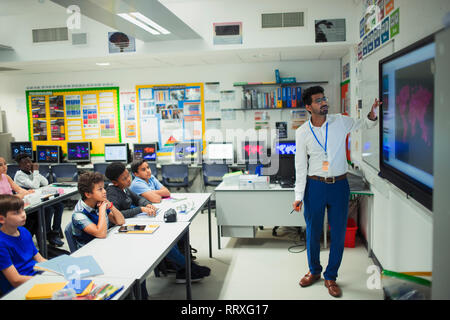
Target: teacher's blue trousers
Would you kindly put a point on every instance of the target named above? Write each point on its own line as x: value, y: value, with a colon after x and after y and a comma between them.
x: 335, y: 197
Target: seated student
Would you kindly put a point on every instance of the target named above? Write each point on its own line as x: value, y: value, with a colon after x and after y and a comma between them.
x: 130, y: 204
x: 7, y: 185
x: 93, y: 212
x: 29, y: 177
x: 145, y: 184
x: 18, y: 254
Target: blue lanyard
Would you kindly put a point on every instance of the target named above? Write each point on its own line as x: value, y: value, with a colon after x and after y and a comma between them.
x: 326, y: 137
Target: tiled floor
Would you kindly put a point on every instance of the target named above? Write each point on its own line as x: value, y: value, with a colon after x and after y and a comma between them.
x: 260, y: 268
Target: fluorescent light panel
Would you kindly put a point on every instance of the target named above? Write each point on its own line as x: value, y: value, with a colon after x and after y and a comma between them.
x: 149, y: 22
x: 129, y: 18
x: 145, y: 23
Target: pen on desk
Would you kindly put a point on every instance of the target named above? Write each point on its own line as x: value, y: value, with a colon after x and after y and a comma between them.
x: 114, y: 293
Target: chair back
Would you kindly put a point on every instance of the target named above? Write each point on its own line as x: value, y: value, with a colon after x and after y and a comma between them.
x: 45, y: 171
x: 100, y: 167
x: 12, y: 169
x: 169, y: 172
x: 69, y: 237
x: 64, y: 172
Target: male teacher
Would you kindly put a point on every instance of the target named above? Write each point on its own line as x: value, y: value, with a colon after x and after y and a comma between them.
x: 321, y: 181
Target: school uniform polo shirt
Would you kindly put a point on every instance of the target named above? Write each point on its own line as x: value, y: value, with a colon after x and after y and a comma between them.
x: 18, y: 251
x: 83, y: 215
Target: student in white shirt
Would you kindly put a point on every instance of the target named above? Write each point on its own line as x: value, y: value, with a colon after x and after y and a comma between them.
x: 321, y: 167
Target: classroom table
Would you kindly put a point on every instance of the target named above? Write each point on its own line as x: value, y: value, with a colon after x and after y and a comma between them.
x: 136, y: 255
x: 20, y: 292
x: 69, y: 190
x: 194, y: 203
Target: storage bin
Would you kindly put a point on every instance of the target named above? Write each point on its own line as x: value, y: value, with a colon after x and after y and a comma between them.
x: 350, y: 234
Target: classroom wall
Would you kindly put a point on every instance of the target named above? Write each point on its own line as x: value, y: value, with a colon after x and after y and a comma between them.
x: 400, y: 231
x: 13, y: 87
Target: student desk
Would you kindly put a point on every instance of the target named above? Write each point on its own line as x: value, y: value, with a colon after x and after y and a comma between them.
x: 20, y: 292
x: 194, y: 203
x: 239, y: 211
x: 40, y: 206
x: 134, y: 256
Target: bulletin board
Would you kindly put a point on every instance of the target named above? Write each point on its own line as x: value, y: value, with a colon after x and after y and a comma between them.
x: 170, y: 113
x: 56, y: 117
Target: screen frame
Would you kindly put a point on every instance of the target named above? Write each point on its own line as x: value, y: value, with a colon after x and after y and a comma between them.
x: 20, y: 142
x: 47, y: 146
x: 413, y: 188
x: 80, y: 161
x: 116, y: 145
x: 155, y: 144
x: 198, y: 159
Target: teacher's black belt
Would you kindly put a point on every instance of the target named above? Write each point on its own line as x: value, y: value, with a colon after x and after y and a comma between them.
x: 329, y: 180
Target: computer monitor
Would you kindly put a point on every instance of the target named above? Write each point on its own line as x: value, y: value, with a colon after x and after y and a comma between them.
x: 21, y: 147
x: 286, y: 170
x: 145, y: 151
x: 187, y: 152
x: 48, y: 154
x: 78, y: 152
x: 254, y: 151
x: 220, y: 152
x: 285, y: 147
x: 116, y: 152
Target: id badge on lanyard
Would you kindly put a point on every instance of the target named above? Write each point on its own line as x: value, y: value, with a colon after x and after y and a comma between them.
x: 325, y: 161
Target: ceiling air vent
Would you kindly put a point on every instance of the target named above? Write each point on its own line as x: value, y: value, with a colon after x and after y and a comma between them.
x: 282, y: 20
x: 51, y: 34
x: 79, y: 38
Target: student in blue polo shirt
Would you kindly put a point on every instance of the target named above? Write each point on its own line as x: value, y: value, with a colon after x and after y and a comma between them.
x: 93, y: 212
x: 145, y: 184
x: 18, y: 254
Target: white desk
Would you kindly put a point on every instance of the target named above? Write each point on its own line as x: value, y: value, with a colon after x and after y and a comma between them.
x: 194, y: 203
x: 134, y: 256
x: 40, y: 207
x: 20, y: 292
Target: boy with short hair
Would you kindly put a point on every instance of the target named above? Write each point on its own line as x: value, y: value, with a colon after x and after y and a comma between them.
x: 93, y: 212
x: 18, y: 254
x: 131, y: 204
x: 145, y: 184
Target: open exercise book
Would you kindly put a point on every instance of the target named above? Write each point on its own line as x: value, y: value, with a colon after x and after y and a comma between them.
x: 140, y: 229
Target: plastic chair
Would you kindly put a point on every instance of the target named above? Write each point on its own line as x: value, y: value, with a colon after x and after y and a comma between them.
x: 12, y: 169
x: 213, y: 170
x: 100, y: 167
x: 44, y: 170
x: 69, y: 237
x: 64, y: 172
x: 173, y: 173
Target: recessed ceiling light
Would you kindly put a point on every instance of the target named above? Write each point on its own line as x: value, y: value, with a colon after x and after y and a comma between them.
x: 102, y: 63
x: 140, y: 24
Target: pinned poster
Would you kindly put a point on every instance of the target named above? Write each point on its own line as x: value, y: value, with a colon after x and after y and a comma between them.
x: 395, y: 23
x: 385, y: 30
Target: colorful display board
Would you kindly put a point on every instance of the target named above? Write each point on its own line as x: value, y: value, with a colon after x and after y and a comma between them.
x: 176, y: 111
x: 56, y: 117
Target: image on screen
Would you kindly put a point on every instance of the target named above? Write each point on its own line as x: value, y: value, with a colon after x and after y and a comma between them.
x: 24, y: 147
x: 116, y: 152
x: 253, y: 151
x: 407, y: 120
x: 285, y: 147
x: 47, y: 154
x: 146, y: 151
x: 187, y: 152
x: 221, y: 152
x: 78, y: 152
